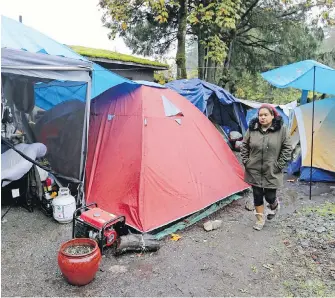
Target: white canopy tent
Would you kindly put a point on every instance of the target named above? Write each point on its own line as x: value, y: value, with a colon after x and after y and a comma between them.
x: 20, y: 70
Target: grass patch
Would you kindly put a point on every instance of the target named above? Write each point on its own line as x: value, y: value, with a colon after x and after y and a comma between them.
x: 305, y: 288
x: 99, y: 53
x: 323, y: 210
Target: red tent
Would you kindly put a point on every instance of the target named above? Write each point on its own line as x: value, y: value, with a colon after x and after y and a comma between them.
x: 155, y: 158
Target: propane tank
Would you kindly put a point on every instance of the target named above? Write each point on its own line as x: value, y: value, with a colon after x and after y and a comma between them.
x: 63, y: 206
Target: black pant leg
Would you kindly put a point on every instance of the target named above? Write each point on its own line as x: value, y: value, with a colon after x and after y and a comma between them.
x: 258, y: 195
x: 270, y: 195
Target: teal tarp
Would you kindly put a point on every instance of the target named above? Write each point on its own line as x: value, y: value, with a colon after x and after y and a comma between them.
x: 301, y: 75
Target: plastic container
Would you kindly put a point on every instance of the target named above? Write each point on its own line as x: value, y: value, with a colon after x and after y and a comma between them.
x: 48, y: 184
x: 63, y: 206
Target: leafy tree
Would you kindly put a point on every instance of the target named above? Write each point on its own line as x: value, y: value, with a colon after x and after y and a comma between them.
x: 163, y: 77
x: 152, y: 26
x: 138, y: 20
x: 235, y: 39
x: 210, y: 20
x: 254, y: 87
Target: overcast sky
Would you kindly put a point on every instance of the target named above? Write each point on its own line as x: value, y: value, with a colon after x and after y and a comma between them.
x: 72, y: 22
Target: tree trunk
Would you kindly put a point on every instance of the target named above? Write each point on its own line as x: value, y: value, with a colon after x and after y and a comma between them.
x: 210, y: 71
x: 230, y: 53
x: 137, y: 242
x: 206, y: 65
x: 181, y: 37
x: 225, y: 75
x: 201, y: 55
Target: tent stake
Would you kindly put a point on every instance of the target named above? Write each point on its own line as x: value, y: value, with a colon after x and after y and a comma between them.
x: 312, y: 143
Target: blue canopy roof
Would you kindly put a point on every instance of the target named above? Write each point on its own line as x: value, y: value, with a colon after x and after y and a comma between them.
x: 15, y: 35
x: 300, y: 75
x: 198, y: 92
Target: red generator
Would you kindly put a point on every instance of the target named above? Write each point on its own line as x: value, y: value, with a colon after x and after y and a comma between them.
x: 92, y: 222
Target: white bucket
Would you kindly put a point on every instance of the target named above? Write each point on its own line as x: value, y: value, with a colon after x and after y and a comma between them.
x: 63, y: 206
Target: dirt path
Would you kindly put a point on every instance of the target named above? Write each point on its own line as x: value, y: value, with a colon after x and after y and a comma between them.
x: 234, y: 260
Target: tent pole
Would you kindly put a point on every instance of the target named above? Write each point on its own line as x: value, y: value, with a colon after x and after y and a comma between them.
x: 312, y: 143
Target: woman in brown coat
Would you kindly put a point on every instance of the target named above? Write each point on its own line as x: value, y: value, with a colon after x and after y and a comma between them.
x: 265, y: 152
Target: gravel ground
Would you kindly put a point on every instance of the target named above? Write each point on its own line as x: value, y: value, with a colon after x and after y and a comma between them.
x: 285, y: 258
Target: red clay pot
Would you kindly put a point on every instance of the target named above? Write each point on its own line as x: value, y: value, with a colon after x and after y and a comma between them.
x: 79, y: 270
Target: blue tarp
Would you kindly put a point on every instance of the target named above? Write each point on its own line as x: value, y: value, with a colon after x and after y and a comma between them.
x: 104, y: 79
x: 318, y: 175
x: 55, y: 92
x: 294, y: 166
x: 198, y: 92
x: 301, y: 75
x: 15, y: 35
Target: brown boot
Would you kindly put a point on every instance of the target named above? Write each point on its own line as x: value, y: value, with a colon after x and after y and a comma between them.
x: 260, y: 221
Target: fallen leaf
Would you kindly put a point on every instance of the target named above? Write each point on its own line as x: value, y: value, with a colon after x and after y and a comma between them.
x: 254, y: 269
x: 175, y: 237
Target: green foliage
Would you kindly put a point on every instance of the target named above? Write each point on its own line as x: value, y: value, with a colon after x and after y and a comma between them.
x: 213, y: 20
x: 149, y: 38
x: 120, y: 15
x: 289, y: 43
x: 254, y: 87
x: 327, y: 58
x: 146, y: 24
x: 271, y: 34
x: 97, y: 53
x: 163, y: 77
x: 236, y: 39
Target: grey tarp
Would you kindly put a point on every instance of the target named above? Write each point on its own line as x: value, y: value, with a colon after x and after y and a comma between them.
x: 43, y: 66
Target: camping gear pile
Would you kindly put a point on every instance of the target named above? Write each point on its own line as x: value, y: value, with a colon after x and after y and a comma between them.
x: 46, y: 91
x: 20, y: 179
x: 235, y: 139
